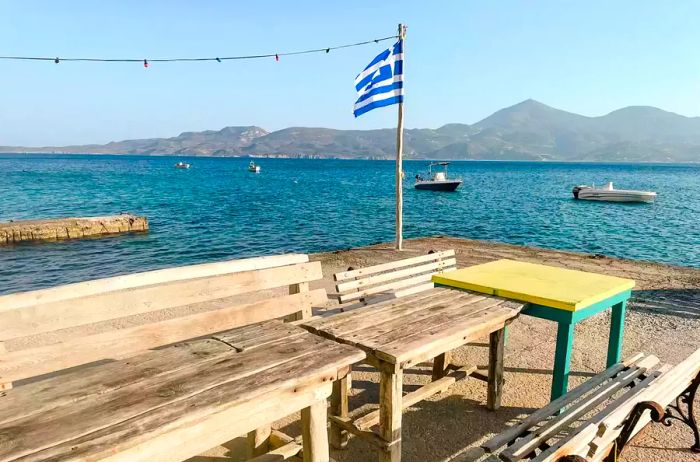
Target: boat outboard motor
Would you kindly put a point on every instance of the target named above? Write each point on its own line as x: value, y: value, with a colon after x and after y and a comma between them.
x: 575, y: 191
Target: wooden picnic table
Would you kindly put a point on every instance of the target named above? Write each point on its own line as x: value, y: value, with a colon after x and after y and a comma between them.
x: 403, y: 332
x: 179, y: 401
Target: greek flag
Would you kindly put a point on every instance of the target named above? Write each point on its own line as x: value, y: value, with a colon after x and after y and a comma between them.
x: 381, y: 83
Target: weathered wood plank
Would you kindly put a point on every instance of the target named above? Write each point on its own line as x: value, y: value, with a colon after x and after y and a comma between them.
x: 440, y: 364
x: 80, y: 310
x: 279, y: 454
x: 408, y: 282
x: 416, y: 348
x: 344, y: 323
x: 423, y: 322
x: 124, y: 342
x: 134, y: 280
x: 392, y: 265
x: 371, y: 419
x: 258, y: 441
x: 494, y: 393
x: 68, y: 389
x: 339, y: 408
x: 390, y: 409
x: 258, y: 335
x: 315, y: 435
x: 358, y: 284
x: 142, y: 411
x: 102, y: 382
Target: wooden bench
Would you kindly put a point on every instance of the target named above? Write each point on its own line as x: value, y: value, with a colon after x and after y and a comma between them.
x: 395, y: 279
x: 595, y: 420
x: 206, y: 298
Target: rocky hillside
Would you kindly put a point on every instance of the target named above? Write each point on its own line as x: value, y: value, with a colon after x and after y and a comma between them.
x: 527, y: 131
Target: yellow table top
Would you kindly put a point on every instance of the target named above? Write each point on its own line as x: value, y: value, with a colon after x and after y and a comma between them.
x: 540, y: 284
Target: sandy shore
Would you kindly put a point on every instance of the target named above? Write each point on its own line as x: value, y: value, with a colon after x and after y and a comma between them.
x: 663, y: 319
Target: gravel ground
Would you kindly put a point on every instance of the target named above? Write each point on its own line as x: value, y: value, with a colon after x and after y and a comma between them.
x: 663, y: 319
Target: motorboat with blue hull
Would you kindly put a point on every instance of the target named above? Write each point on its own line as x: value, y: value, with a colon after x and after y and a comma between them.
x: 609, y: 194
x: 437, y: 181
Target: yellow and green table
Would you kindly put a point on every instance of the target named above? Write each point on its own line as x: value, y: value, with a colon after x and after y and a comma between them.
x: 557, y: 294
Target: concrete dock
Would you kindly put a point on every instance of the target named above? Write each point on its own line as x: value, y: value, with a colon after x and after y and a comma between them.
x: 14, y: 232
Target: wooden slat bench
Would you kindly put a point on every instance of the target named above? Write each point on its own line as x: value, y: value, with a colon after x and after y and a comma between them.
x: 395, y: 279
x: 595, y: 420
x: 221, y: 296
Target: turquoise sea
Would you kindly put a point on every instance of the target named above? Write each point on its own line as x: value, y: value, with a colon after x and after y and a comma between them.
x: 217, y: 210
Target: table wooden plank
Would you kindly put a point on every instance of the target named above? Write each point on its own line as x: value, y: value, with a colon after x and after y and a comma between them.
x: 185, y: 428
x: 70, y: 388
x: 371, y: 326
x: 379, y: 312
x: 422, y: 321
x: 223, y: 382
x: 258, y: 335
x: 343, y: 317
x: 421, y: 346
x: 539, y: 284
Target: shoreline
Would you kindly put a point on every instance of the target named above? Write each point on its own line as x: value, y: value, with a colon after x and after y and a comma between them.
x: 317, y: 157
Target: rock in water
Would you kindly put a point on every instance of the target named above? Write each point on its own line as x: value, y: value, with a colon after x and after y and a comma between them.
x: 70, y: 228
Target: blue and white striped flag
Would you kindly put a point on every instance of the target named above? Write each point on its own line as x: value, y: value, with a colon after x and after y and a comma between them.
x: 381, y: 83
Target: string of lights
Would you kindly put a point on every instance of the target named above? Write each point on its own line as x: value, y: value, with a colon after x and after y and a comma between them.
x: 145, y: 62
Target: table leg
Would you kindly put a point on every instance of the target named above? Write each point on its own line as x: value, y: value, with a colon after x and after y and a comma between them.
x: 617, y: 332
x: 339, y: 407
x: 258, y: 441
x: 497, y: 341
x: 390, y: 408
x: 315, y: 433
x: 562, y: 360
x: 440, y: 364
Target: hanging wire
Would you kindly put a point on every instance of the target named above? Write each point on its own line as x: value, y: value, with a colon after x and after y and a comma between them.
x: 218, y: 59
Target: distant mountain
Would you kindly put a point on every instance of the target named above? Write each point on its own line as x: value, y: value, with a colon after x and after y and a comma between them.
x: 529, y: 130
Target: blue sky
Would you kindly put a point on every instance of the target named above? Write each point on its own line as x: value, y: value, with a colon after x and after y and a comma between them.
x: 464, y: 60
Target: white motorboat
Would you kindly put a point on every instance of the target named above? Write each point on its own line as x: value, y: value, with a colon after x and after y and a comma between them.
x: 609, y: 193
x: 182, y: 165
x: 253, y: 168
x: 437, y: 181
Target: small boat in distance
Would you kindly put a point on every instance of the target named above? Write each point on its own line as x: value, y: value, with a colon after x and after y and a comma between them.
x: 253, y: 168
x: 182, y: 165
x: 437, y: 181
x: 608, y: 193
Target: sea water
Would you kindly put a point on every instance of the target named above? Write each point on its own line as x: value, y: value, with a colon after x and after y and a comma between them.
x: 218, y: 210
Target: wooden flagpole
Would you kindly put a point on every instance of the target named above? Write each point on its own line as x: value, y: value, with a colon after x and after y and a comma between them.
x: 399, y: 162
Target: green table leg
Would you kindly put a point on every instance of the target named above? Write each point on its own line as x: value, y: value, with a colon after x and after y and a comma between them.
x: 617, y: 331
x: 562, y: 360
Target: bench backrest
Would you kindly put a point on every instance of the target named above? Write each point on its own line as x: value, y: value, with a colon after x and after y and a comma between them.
x: 397, y: 278
x: 212, y: 297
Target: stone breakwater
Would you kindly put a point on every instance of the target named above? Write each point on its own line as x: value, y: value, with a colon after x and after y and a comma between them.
x: 69, y: 228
